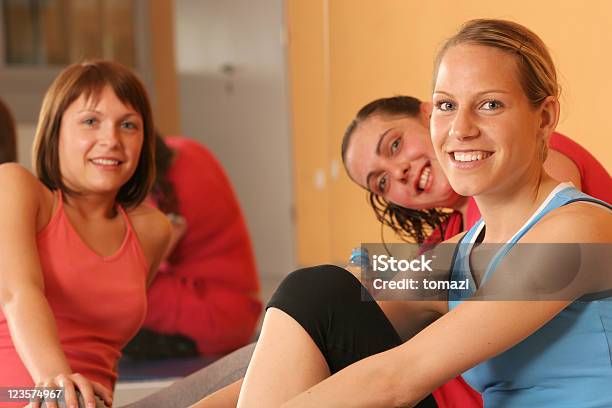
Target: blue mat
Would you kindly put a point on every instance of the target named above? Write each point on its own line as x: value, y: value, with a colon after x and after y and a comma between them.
x: 138, y: 370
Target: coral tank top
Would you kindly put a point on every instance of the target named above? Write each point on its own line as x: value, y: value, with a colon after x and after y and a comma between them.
x: 98, y: 302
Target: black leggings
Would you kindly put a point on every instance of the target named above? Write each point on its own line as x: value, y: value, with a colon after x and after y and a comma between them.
x: 327, y: 302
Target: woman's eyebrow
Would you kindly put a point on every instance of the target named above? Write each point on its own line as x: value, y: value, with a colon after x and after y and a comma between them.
x: 89, y: 110
x: 380, y: 140
x: 370, y: 175
x: 477, y: 94
x: 442, y: 92
x: 492, y: 91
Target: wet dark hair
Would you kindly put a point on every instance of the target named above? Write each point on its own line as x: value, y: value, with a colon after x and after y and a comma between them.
x: 163, y: 190
x: 8, y: 138
x: 409, y: 224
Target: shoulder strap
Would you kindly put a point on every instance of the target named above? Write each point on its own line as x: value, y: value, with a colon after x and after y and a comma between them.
x: 564, y: 197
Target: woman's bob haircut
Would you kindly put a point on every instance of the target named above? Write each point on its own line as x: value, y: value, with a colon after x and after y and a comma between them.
x: 89, y: 79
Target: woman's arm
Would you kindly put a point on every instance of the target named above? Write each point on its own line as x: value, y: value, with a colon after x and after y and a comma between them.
x: 483, y: 329
x: 154, y: 232
x: 22, y: 294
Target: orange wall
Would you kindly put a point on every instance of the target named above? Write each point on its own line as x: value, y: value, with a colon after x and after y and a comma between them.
x: 376, y: 49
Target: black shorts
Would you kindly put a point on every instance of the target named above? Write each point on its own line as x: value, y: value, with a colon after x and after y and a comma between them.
x: 327, y: 302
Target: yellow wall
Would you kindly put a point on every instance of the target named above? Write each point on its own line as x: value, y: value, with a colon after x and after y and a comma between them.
x: 376, y: 49
x: 309, y: 89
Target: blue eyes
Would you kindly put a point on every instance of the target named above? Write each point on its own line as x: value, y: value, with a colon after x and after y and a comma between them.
x: 129, y: 125
x: 382, y: 183
x: 444, y: 106
x: 90, y: 122
x: 395, y: 145
x: 490, y: 105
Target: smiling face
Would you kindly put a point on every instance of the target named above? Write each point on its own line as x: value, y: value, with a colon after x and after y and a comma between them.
x: 393, y: 157
x: 484, y: 130
x: 99, y: 144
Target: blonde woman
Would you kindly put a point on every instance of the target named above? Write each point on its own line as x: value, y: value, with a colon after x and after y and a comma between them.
x: 495, y: 105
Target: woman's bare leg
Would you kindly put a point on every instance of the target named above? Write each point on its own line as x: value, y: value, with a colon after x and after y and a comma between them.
x: 226, y: 397
x: 285, y: 363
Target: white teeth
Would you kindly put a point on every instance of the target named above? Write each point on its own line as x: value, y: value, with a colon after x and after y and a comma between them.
x: 470, y: 156
x: 106, y: 162
x: 424, y: 177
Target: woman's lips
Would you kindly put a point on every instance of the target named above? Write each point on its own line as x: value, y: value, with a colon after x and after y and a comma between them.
x: 424, y: 179
x: 469, y: 159
x: 106, y: 163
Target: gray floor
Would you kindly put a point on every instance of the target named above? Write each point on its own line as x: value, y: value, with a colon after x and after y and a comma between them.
x: 126, y: 393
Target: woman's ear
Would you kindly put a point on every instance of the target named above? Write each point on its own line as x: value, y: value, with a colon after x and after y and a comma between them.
x: 425, y: 113
x: 549, y: 116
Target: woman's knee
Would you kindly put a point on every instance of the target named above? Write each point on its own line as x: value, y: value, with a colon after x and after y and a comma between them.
x: 317, y: 286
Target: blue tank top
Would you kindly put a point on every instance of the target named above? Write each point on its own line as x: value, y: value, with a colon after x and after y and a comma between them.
x: 568, y: 361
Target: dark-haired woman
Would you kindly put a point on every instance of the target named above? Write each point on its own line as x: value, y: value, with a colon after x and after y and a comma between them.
x: 77, y: 244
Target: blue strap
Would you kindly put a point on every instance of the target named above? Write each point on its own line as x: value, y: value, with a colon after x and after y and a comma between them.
x: 564, y: 197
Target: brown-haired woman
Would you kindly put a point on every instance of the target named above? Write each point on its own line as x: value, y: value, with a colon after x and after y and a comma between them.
x: 8, y: 138
x: 77, y: 246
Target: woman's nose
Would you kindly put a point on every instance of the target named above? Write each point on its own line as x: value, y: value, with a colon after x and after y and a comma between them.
x: 110, y: 135
x: 462, y: 126
x: 401, y: 170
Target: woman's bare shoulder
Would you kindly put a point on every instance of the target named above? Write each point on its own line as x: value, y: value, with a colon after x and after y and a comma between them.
x: 578, y: 222
x: 22, y: 188
x: 152, y: 228
x: 14, y: 175
x: 149, y: 222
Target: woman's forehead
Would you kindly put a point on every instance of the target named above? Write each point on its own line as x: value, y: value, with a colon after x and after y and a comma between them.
x: 476, y: 68
x: 91, y: 97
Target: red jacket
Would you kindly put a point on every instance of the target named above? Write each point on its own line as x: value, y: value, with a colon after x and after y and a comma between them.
x: 206, y: 289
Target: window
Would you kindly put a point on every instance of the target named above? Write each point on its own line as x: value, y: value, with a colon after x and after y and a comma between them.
x: 40, y: 37
x: 60, y: 32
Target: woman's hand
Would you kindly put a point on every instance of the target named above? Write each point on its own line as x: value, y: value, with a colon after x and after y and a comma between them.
x: 72, y: 382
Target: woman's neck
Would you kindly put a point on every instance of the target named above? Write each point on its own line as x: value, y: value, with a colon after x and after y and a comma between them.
x: 92, y: 205
x: 461, y: 205
x: 504, y: 212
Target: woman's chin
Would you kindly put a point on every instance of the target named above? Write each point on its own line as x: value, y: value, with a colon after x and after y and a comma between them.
x: 465, y: 188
